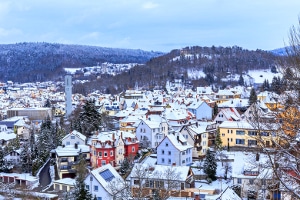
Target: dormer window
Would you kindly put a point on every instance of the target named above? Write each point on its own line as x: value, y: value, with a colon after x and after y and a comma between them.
x: 72, y: 137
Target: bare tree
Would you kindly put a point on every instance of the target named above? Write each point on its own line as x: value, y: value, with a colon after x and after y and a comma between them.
x: 157, y: 182
x: 283, y: 149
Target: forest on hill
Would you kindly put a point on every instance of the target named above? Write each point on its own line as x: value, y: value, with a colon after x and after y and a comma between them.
x: 215, y: 62
x: 31, y: 62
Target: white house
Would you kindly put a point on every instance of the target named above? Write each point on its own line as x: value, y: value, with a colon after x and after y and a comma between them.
x: 174, y: 150
x: 67, y: 156
x: 74, y: 138
x: 149, y: 178
x: 227, y: 114
x: 151, y: 132
x: 201, y: 110
x: 105, y: 183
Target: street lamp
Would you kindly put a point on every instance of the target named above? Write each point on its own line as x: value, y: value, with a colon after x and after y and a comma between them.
x: 199, y: 192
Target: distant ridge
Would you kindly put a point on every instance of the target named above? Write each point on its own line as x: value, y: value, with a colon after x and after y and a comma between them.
x: 28, y: 62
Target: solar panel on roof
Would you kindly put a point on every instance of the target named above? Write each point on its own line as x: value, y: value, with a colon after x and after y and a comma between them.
x: 107, y: 175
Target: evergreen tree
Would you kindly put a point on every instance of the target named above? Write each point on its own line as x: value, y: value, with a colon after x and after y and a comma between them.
x: 90, y: 118
x: 216, y: 109
x: 210, y: 165
x: 2, y: 162
x: 47, y: 103
x: 277, y: 85
x: 241, y: 80
x: 265, y: 86
x: 253, y: 97
x: 25, y: 158
x: 218, y: 142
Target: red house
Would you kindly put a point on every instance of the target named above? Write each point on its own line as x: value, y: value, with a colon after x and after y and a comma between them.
x: 112, y: 147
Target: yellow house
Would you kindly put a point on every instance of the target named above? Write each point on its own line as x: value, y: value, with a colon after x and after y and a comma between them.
x: 243, y: 134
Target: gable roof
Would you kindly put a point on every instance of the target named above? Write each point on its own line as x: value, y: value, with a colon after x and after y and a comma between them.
x: 77, y: 134
x: 157, y: 171
x: 105, y: 174
x: 177, y: 141
x: 229, y: 194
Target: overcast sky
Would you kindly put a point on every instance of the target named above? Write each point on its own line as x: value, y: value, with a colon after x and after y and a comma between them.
x: 159, y: 25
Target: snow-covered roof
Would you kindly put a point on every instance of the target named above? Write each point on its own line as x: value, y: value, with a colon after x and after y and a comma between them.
x: 71, y: 150
x: 105, y: 174
x: 236, y: 124
x: 65, y: 181
x: 229, y: 194
x: 157, y: 171
x: 195, y: 105
x: 178, y: 141
x: 77, y: 134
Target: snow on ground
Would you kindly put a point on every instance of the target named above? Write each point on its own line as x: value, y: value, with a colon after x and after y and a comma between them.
x: 260, y: 75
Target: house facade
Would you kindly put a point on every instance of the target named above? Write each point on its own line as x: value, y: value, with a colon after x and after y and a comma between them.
x: 112, y: 148
x: 201, y: 110
x: 243, y: 134
x: 174, y: 150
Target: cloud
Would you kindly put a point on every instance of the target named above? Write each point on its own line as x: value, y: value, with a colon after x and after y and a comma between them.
x: 149, y: 5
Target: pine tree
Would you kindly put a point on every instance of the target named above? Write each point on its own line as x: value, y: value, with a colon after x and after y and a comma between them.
x: 210, y: 165
x: 218, y: 141
x: 2, y: 162
x: 25, y: 158
x: 90, y: 118
x: 253, y: 97
x: 216, y: 109
x: 241, y: 80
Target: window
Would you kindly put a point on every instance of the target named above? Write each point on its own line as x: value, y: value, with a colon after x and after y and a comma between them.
x: 169, y: 161
x: 251, y: 181
x: 167, y: 144
x: 169, y: 152
x: 95, y: 188
x: 227, y: 131
x: 239, y: 181
x: 240, y: 141
x: 163, y: 160
x: 105, y: 154
x: 264, y: 134
x: 223, y: 134
x: 252, y: 142
x: 162, y: 152
x: 111, y: 153
x: 252, y: 133
x: 68, y: 143
x: 95, y: 153
x: 100, y: 154
x: 231, y: 131
x: 183, y: 161
x: 99, y: 198
x: 103, y: 162
x: 240, y: 132
x: 87, y: 187
x: 72, y: 137
x: 133, y: 149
